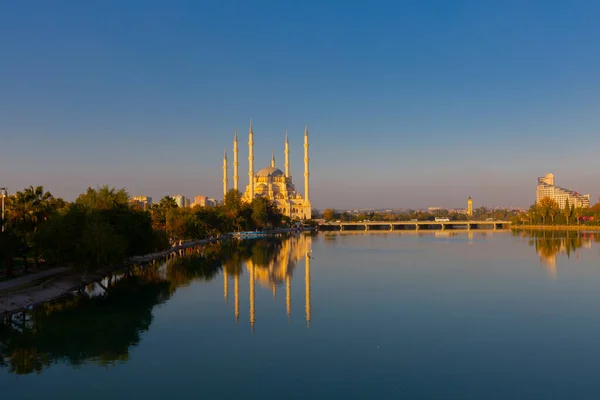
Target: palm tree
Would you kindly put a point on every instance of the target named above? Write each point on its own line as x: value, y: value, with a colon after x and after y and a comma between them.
x: 532, y: 213
x: 29, y: 209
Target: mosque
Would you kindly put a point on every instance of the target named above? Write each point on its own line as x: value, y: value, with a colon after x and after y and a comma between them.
x: 271, y: 182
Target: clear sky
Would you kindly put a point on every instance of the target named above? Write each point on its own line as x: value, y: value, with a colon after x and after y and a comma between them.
x: 408, y: 103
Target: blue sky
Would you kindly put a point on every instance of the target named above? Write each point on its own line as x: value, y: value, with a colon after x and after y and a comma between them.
x: 408, y: 104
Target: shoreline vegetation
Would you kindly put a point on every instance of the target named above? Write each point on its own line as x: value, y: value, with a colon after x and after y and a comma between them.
x: 103, y: 227
x: 59, y: 282
x: 556, y: 227
x: 548, y: 214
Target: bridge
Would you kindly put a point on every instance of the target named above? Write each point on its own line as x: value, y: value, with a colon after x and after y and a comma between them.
x: 414, y: 225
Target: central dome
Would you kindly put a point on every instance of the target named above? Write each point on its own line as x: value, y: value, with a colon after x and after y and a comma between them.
x: 272, y: 171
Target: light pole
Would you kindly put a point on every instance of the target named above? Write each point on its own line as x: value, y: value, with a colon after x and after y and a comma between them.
x: 3, y: 190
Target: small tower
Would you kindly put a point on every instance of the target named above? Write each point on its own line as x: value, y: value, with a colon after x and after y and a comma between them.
x: 273, y: 159
x: 470, y: 207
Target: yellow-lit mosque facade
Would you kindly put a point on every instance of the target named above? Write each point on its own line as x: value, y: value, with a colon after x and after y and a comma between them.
x: 271, y: 182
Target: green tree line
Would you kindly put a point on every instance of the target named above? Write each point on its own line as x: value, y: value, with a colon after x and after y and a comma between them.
x: 103, y: 228
x: 548, y: 212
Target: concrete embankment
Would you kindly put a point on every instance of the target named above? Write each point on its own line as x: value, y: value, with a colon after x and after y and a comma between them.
x: 31, y: 290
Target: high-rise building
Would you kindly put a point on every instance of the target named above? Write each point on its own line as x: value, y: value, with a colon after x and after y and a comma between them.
x: 142, y: 201
x: 200, y: 201
x: 204, y: 201
x: 469, y: 207
x: 179, y: 199
x: 547, y: 188
x: 186, y: 202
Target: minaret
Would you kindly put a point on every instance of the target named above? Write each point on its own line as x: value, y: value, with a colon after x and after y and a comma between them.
x: 307, y: 288
x: 224, y: 174
x: 273, y: 159
x: 251, y: 163
x: 287, y: 156
x: 306, y: 173
x: 236, y: 177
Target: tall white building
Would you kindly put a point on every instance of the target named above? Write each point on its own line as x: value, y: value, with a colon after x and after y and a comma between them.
x: 547, y: 188
x: 179, y: 199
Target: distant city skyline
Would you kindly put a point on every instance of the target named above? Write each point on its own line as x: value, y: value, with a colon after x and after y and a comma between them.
x: 408, y: 105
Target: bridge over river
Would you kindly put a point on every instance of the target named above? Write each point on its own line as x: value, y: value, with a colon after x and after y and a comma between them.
x: 414, y: 225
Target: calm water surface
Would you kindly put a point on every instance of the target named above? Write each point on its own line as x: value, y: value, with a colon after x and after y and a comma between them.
x: 366, y: 316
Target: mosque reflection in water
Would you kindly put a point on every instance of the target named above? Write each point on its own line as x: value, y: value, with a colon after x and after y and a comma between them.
x: 104, y: 322
x: 269, y: 271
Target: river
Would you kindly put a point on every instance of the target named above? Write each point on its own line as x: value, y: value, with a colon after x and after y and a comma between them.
x: 380, y: 315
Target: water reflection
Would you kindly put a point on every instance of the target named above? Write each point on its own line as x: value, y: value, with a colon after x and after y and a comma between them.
x: 271, y: 265
x: 550, y: 244
x: 102, y: 323
x: 79, y: 329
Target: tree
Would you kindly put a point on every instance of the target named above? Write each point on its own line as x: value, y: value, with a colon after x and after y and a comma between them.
x: 329, y: 214
x: 259, y: 212
x: 265, y: 214
x: 548, y: 207
x: 28, y: 211
x: 183, y: 224
x: 532, y: 213
x: 101, y: 246
x: 568, y: 211
x: 9, y: 246
x: 159, y: 210
x: 233, y: 200
x: 104, y: 198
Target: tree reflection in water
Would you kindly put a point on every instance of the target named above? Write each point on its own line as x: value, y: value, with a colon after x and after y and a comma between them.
x: 550, y: 244
x: 102, y: 329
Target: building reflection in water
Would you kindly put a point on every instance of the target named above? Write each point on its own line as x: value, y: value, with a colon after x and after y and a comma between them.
x: 271, y: 272
x: 550, y: 244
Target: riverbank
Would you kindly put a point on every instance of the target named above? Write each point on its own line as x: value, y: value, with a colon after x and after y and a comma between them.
x: 557, y: 227
x: 31, y: 290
